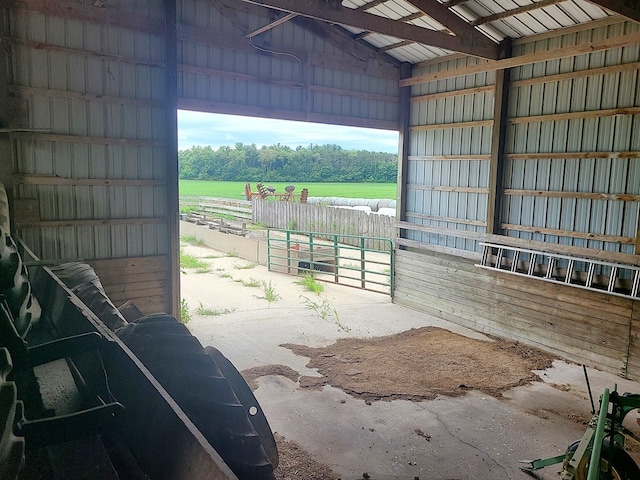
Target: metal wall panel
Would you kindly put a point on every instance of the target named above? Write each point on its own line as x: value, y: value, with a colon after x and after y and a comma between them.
x: 429, y: 176
x: 609, y: 136
x: 558, y: 205
x: 92, y: 150
x: 286, y: 72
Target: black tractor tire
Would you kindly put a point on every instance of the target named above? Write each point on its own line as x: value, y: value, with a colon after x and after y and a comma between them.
x: 82, y: 280
x: 623, y: 467
x: 15, y: 286
x: 11, y: 447
x: 249, y: 401
x: 5, y: 223
x: 197, y: 384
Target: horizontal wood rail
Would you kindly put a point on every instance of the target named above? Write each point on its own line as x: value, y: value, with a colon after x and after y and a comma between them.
x: 623, y: 197
x: 603, y: 255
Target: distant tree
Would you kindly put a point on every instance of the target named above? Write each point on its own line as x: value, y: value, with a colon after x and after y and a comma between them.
x: 280, y: 163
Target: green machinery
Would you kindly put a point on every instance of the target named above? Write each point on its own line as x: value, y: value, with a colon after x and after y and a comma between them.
x: 600, y: 454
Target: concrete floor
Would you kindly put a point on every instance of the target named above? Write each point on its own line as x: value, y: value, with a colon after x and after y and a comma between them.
x: 475, y: 436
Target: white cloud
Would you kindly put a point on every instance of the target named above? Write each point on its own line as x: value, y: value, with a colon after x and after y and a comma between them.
x: 196, y: 128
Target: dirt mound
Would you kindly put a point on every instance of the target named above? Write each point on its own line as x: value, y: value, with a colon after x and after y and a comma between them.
x: 421, y: 364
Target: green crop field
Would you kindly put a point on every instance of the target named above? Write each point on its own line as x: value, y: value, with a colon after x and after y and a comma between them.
x: 235, y: 190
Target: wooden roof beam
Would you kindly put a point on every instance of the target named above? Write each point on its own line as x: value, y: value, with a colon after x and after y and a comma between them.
x: 284, y: 18
x: 627, y: 8
x: 453, y: 22
x: 335, y: 13
x: 514, y: 11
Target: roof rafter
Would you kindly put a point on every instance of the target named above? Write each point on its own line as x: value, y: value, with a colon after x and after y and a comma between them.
x: 627, y: 8
x: 450, y: 20
x: 334, y: 13
x: 514, y: 11
x: 280, y: 20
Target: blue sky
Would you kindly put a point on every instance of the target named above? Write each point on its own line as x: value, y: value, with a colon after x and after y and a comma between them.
x: 196, y: 128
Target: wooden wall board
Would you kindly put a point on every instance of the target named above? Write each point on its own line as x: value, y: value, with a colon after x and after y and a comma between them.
x: 575, y: 324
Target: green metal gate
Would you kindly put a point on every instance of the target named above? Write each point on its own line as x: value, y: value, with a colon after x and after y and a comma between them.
x: 327, y: 259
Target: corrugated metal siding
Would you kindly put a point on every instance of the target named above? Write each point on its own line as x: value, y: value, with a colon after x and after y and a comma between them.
x: 285, y: 72
x: 595, y: 131
x: 564, y: 163
x: 466, y: 172
x: 93, y: 162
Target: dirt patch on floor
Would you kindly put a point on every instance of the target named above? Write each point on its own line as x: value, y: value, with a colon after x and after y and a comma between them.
x: 421, y: 364
x: 296, y: 464
x: 251, y: 375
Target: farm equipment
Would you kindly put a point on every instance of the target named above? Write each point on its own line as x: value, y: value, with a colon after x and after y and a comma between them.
x: 600, y: 454
x: 91, y: 391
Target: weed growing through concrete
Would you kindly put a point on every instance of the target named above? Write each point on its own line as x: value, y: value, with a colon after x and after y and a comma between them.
x: 310, y: 284
x: 232, y: 254
x: 224, y: 274
x: 185, y: 316
x: 269, y: 291
x: 325, y: 310
x: 209, y: 311
x: 192, y: 240
x: 247, y: 266
x: 189, y: 261
x: 252, y: 282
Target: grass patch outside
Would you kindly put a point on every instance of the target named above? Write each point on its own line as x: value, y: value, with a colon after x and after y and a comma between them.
x: 252, y: 282
x: 189, y: 261
x: 192, y: 240
x: 310, y: 284
x: 212, y: 311
x: 247, y: 266
x: 235, y: 190
x: 269, y: 291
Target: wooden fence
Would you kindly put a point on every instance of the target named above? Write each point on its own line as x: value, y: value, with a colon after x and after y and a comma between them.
x: 323, y: 219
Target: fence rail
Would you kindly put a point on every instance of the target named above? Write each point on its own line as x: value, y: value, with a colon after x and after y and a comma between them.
x: 349, y: 224
x: 329, y: 259
x: 218, y: 207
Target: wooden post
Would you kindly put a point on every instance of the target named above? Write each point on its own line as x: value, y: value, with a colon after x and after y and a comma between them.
x: 496, y: 165
x: 171, y: 88
x: 637, y: 252
x: 404, y: 112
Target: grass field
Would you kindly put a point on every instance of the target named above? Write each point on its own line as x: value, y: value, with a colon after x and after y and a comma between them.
x: 235, y: 190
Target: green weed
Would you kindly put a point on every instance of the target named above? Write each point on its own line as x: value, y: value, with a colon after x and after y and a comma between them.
x: 269, y: 291
x: 252, y: 282
x: 325, y: 310
x: 209, y: 311
x: 185, y: 316
x: 310, y: 284
x: 232, y: 254
x: 247, y: 266
x: 292, y: 224
x: 189, y: 261
x: 192, y: 240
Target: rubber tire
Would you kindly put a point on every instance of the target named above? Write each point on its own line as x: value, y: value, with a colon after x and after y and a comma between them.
x: 5, y: 222
x: 192, y: 377
x: 14, y: 284
x: 82, y: 280
x: 11, y: 447
x: 624, y: 467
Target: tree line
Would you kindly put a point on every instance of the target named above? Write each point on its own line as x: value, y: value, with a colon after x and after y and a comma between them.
x: 280, y: 163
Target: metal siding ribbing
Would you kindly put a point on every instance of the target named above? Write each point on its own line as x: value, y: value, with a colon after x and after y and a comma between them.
x: 287, y: 69
x: 68, y: 70
x: 429, y: 202
x: 612, y: 89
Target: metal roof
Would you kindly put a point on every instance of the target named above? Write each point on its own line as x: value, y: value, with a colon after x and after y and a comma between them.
x: 457, y: 20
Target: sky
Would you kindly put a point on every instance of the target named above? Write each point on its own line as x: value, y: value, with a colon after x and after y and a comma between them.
x: 197, y: 128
